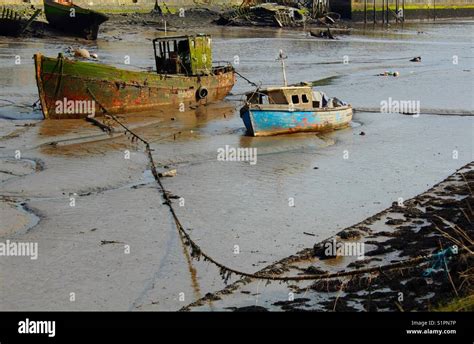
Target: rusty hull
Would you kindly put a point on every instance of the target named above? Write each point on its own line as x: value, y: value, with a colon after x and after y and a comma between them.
x: 118, y: 91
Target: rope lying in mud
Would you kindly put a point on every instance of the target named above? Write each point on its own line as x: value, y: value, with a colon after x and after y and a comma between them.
x: 225, y: 271
x: 15, y: 104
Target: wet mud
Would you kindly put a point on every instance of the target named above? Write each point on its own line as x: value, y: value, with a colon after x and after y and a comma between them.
x: 428, y: 223
x: 232, y: 203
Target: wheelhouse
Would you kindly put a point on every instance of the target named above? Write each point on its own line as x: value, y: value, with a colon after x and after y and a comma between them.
x: 185, y: 55
x: 296, y: 97
x: 299, y: 97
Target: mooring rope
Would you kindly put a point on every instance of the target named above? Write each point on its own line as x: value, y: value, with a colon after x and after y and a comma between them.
x: 246, y: 79
x: 225, y: 271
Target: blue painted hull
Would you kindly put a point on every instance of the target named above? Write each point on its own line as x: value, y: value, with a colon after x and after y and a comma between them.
x: 260, y: 122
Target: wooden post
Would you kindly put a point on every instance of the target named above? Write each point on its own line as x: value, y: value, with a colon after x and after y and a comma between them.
x: 365, y: 11
x: 396, y: 10
x: 383, y: 12
x: 403, y: 10
x: 375, y: 16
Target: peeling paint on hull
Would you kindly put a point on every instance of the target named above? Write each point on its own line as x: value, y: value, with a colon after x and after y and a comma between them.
x: 273, y: 122
x: 122, y: 91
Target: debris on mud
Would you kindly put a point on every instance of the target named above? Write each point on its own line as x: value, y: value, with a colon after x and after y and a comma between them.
x: 265, y: 14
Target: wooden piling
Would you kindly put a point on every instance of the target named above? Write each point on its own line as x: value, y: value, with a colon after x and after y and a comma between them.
x: 396, y: 10
x: 383, y: 12
x: 375, y: 19
x: 365, y: 11
x: 403, y: 9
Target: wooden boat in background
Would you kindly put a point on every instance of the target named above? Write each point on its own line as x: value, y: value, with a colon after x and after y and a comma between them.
x: 289, y: 109
x: 184, y: 75
x: 13, y: 24
x: 67, y: 17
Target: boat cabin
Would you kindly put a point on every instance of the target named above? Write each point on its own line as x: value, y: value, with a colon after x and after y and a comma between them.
x: 301, y: 97
x: 296, y: 97
x: 185, y: 55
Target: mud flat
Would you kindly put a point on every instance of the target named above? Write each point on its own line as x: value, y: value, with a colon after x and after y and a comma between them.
x: 82, y: 249
x: 430, y: 222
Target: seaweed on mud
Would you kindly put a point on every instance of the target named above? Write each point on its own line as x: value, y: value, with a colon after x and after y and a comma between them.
x: 313, y: 270
x: 290, y: 305
x: 338, y: 305
x: 349, y: 234
x: 249, y: 309
x: 361, y: 263
x: 433, y: 221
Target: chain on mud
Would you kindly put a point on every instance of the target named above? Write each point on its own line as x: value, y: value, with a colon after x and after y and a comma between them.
x: 226, y: 272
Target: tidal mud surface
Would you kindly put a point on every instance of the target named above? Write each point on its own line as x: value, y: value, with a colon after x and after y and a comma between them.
x: 428, y: 223
x: 117, y: 248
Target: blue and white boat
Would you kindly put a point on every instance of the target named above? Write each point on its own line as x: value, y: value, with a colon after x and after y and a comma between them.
x: 290, y: 109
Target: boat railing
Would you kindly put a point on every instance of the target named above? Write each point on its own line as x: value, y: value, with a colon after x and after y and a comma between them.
x: 222, y: 66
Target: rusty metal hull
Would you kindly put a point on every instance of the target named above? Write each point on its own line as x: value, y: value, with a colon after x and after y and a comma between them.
x: 118, y: 91
x: 274, y: 120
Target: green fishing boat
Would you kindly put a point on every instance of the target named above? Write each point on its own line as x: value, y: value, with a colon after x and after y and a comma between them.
x: 67, y: 17
x: 185, y: 76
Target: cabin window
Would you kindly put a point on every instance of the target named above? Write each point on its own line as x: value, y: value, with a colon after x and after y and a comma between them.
x: 172, y: 56
x: 304, y: 98
x: 295, y: 99
x: 264, y: 99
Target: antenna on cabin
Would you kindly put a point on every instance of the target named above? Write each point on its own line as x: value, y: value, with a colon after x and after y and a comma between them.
x: 282, y: 58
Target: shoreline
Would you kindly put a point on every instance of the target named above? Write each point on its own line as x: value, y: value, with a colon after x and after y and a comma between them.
x: 410, y: 234
x: 208, y: 17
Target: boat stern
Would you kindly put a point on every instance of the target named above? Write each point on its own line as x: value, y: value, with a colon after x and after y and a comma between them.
x: 246, y: 116
x: 38, y: 60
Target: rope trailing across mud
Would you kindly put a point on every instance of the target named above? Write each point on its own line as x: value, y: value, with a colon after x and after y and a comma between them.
x: 226, y: 272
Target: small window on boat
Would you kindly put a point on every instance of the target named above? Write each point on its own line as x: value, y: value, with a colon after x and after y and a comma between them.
x: 304, y: 98
x: 295, y: 99
x: 264, y: 99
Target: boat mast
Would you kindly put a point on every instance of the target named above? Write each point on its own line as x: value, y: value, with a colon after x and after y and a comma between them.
x: 282, y: 58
